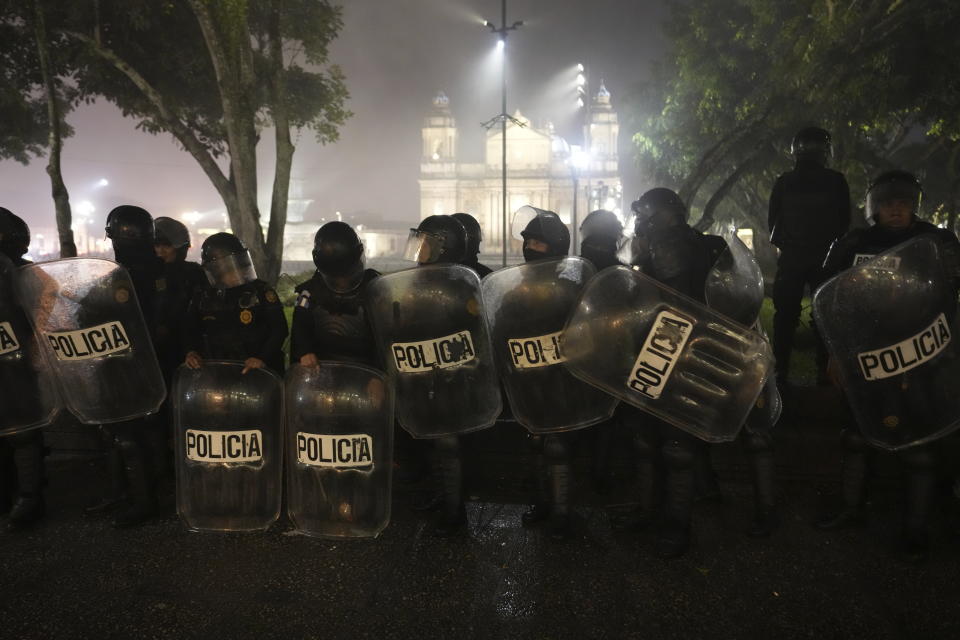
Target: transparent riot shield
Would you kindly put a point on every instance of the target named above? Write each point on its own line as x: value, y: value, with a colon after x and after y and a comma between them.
x: 339, y: 442
x: 889, y: 324
x: 433, y: 337
x: 666, y: 354
x: 734, y: 286
x: 30, y: 399
x: 526, y: 307
x: 228, y: 453
x: 87, y: 319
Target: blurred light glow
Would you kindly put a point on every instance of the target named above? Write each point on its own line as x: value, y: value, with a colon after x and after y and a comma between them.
x: 581, y: 80
x: 191, y: 217
x: 579, y: 158
x: 500, y: 44
x: 84, y: 208
x: 579, y: 68
x: 102, y: 182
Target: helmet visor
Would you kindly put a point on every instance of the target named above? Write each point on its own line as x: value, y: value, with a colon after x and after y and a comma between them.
x: 423, y: 247
x: 230, y: 271
x: 344, y: 281
x: 890, y: 192
x: 521, y: 219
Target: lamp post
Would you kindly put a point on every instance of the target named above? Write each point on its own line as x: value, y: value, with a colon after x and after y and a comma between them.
x: 579, y: 160
x: 503, y: 116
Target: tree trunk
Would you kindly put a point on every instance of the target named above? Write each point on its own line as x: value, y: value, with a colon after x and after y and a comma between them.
x: 61, y: 198
x: 706, y: 220
x: 284, y: 148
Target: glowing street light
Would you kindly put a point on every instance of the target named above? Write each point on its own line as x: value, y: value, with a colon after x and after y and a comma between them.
x: 504, y: 116
x: 102, y: 182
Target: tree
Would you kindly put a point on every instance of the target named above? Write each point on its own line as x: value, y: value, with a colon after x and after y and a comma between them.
x: 215, y: 75
x: 742, y: 76
x: 34, y: 99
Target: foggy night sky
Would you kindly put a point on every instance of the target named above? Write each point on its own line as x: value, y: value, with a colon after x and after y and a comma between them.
x: 396, y: 55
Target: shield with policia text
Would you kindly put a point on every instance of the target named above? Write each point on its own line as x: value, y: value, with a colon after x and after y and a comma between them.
x: 228, y: 427
x: 433, y: 338
x: 666, y: 354
x: 29, y: 395
x: 527, y: 306
x: 339, y: 441
x: 87, y: 319
x: 889, y: 324
x: 734, y: 287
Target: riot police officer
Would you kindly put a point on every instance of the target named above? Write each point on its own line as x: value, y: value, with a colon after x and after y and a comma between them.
x: 666, y: 248
x: 329, y: 320
x: 809, y: 209
x: 474, y: 238
x: 601, y: 234
x: 892, y: 204
x: 443, y: 239
x: 132, y: 233
x: 545, y: 236
x: 21, y: 454
x: 237, y: 316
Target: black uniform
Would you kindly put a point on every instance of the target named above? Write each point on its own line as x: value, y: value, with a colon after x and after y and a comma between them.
x: 242, y: 322
x: 332, y: 325
x: 809, y: 209
x: 681, y: 258
x: 174, y: 288
x: 21, y: 454
x: 854, y: 247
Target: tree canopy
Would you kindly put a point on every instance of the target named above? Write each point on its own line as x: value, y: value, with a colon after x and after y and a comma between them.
x: 741, y: 77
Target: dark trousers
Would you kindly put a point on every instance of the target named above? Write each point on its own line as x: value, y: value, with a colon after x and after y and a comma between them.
x: 797, y: 269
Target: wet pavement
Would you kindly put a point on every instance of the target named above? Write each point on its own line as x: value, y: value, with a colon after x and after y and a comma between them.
x: 75, y: 577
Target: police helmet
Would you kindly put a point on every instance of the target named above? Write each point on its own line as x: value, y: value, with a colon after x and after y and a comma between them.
x: 14, y: 234
x: 226, y: 261
x: 128, y: 223
x: 171, y: 232
x: 474, y: 232
x: 601, y: 223
x: 531, y: 223
x: 438, y: 239
x: 338, y: 255
x: 890, y: 186
x: 658, y: 207
x: 812, y: 142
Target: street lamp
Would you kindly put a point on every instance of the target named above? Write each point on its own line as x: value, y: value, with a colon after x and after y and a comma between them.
x: 503, y: 116
x: 579, y: 160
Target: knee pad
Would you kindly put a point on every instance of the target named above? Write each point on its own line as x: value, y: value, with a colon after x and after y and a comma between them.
x: 556, y: 449
x: 853, y: 442
x: 678, y: 454
x: 918, y: 459
x: 757, y: 441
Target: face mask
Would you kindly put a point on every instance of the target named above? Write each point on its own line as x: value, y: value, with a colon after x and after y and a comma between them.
x: 530, y: 255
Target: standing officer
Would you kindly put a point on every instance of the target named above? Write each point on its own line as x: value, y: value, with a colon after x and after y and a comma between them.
x: 809, y: 209
x: 132, y: 232
x: 329, y: 321
x: 474, y: 238
x: 667, y: 249
x: 21, y: 454
x: 236, y: 317
x: 893, y: 201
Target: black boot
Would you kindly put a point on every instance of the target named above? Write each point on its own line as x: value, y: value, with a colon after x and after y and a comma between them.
x: 673, y: 539
x: 115, y: 494
x: 143, y: 500
x: 539, y: 510
x: 759, y: 447
x: 854, y: 484
x: 557, y: 454
x: 29, y: 506
x: 452, y: 519
x: 921, y: 493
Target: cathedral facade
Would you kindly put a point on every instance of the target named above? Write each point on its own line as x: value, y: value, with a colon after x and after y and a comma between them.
x: 540, y: 171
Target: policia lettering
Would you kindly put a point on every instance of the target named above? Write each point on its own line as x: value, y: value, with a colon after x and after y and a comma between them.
x: 335, y: 451
x: 224, y: 446
x: 440, y: 353
x: 659, y: 354
x: 540, y: 351
x: 903, y: 356
x: 8, y: 339
x: 92, y: 342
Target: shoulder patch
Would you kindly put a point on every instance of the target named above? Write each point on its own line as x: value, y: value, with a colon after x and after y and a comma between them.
x: 303, y: 300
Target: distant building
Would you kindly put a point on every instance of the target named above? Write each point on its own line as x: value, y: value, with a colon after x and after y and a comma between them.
x: 538, y: 170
